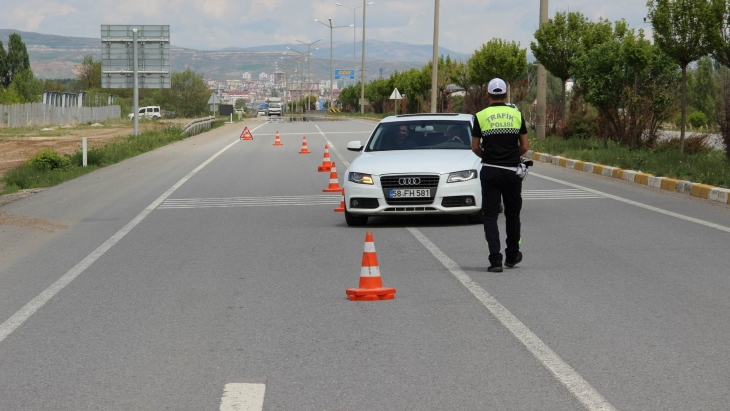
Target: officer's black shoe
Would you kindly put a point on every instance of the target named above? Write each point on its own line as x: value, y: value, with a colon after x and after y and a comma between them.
x: 511, y: 262
x: 495, y: 263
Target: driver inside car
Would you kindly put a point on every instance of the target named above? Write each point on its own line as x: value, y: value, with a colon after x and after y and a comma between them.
x: 456, y: 133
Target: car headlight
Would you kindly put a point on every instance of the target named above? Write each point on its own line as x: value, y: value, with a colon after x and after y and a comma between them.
x: 360, y: 178
x: 460, y: 176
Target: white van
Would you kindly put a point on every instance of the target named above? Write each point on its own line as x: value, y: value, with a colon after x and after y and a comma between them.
x: 147, y: 112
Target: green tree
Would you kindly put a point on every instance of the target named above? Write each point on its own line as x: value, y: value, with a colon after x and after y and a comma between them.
x: 27, y: 86
x: 8, y: 96
x: 559, y: 44
x: 349, y: 96
x: 681, y: 31
x: 630, y: 82
x: 88, y: 74
x: 16, y: 59
x: 3, y: 66
x: 53, y: 85
x: 187, y: 96
x: 498, y: 58
x: 376, y: 92
x: 719, y: 35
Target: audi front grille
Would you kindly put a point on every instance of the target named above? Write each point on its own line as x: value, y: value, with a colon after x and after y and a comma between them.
x: 411, y: 181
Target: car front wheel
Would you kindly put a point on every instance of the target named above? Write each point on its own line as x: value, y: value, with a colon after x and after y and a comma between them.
x: 353, y: 220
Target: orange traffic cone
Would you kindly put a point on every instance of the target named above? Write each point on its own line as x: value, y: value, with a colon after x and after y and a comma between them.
x: 305, y: 150
x: 371, y: 285
x: 278, y: 140
x: 341, y: 208
x: 334, y: 182
x: 246, y: 134
x: 326, y: 164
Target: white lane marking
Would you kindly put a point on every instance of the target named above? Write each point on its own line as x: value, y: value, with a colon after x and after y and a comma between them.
x: 179, y: 203
x: 332, y: 146
x: 17, y: 319
x: 243, y: 397
x: 636, y: 203
x: 567, y: 194
x: 580, y: 388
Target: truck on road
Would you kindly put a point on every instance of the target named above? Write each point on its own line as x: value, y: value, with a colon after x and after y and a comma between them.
x: 275, y: 108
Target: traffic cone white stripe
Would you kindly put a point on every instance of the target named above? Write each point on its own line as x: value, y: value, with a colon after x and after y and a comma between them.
x: 372, y: 271
x: 369, y: 248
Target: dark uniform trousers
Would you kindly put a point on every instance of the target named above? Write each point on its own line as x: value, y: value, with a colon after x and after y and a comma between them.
x: 498, y: 184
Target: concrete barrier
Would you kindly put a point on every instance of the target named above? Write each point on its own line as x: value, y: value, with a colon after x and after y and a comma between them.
x: 720, y: 194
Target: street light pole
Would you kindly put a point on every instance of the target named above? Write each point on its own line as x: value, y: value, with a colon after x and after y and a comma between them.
x: 541, y: 83
x: 435, y: 64
x: 354, y: 29
x: 362, y: 71
x: 332, y: 70
x: 309, y: 65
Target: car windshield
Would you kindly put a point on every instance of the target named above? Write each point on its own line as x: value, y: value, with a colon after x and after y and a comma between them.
x: 274, y: 105
x: 421, y: 135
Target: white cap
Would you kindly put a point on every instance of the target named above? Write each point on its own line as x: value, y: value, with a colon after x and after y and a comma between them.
x: 497, y: 86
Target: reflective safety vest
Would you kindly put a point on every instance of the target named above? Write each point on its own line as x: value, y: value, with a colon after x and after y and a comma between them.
x: 499, y: 120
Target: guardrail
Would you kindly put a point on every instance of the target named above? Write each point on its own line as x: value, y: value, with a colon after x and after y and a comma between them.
x: 198, y: 125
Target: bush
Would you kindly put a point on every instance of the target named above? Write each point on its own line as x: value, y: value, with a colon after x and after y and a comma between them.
x: 94, y: 157
x: 48, y: 160
x: 580, y: 125
x: 697, y: 119
x: 693, y: 144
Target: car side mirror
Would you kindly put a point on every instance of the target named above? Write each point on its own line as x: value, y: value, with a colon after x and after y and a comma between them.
x: 354, y: 146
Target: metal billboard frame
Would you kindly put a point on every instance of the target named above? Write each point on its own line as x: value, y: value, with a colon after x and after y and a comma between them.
x: 153, y: 56
x: 120, y: 59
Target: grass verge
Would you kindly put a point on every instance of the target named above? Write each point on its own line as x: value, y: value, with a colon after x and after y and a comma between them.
x: 28, y: 176
x: 706, y: 166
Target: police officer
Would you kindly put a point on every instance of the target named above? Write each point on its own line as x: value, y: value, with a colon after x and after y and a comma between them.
x: 503, y: 136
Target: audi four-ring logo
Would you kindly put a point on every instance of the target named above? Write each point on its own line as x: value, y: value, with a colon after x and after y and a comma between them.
x: 410, y: 181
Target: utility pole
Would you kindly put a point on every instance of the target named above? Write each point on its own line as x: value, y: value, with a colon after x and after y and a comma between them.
x: 541, y: 82
x: 435, y: 65
x: 136, y: 84
x: 362, y: 72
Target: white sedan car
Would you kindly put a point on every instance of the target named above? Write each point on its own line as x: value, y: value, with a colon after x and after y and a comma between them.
x: 415, y: 164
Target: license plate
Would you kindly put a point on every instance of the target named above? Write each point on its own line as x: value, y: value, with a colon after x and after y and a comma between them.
x: 409, y: 193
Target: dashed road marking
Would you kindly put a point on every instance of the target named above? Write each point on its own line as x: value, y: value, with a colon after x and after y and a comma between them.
x: 243, y: 397
x: 567, y: 194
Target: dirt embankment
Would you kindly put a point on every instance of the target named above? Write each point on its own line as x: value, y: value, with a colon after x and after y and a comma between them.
x: 18, y: 145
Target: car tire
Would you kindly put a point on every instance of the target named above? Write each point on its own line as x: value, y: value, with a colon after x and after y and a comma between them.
x: 353, y: 220
x: 477, y: 218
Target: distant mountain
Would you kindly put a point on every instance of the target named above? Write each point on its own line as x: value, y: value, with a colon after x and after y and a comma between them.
x: 55, y: 57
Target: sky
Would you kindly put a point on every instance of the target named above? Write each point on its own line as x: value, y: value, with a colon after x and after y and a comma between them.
x: 213, y: 24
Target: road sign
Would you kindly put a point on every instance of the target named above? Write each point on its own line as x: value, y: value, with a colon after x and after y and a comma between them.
x: 117, y: 56
x: 396, y: 95
x: 344, y: 74
x: 214, y: 99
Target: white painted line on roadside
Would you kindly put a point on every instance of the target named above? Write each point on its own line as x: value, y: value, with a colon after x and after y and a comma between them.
x: 243, y: 397
x: 580, y: 388
x: 332, y: 146
x: 636, y: 203
x: 17, y: 319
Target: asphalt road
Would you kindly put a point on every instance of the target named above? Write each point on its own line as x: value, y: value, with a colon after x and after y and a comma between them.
x: 211, y: 274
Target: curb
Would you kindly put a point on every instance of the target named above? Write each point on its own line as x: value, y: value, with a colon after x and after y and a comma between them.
x: 705, y: 191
